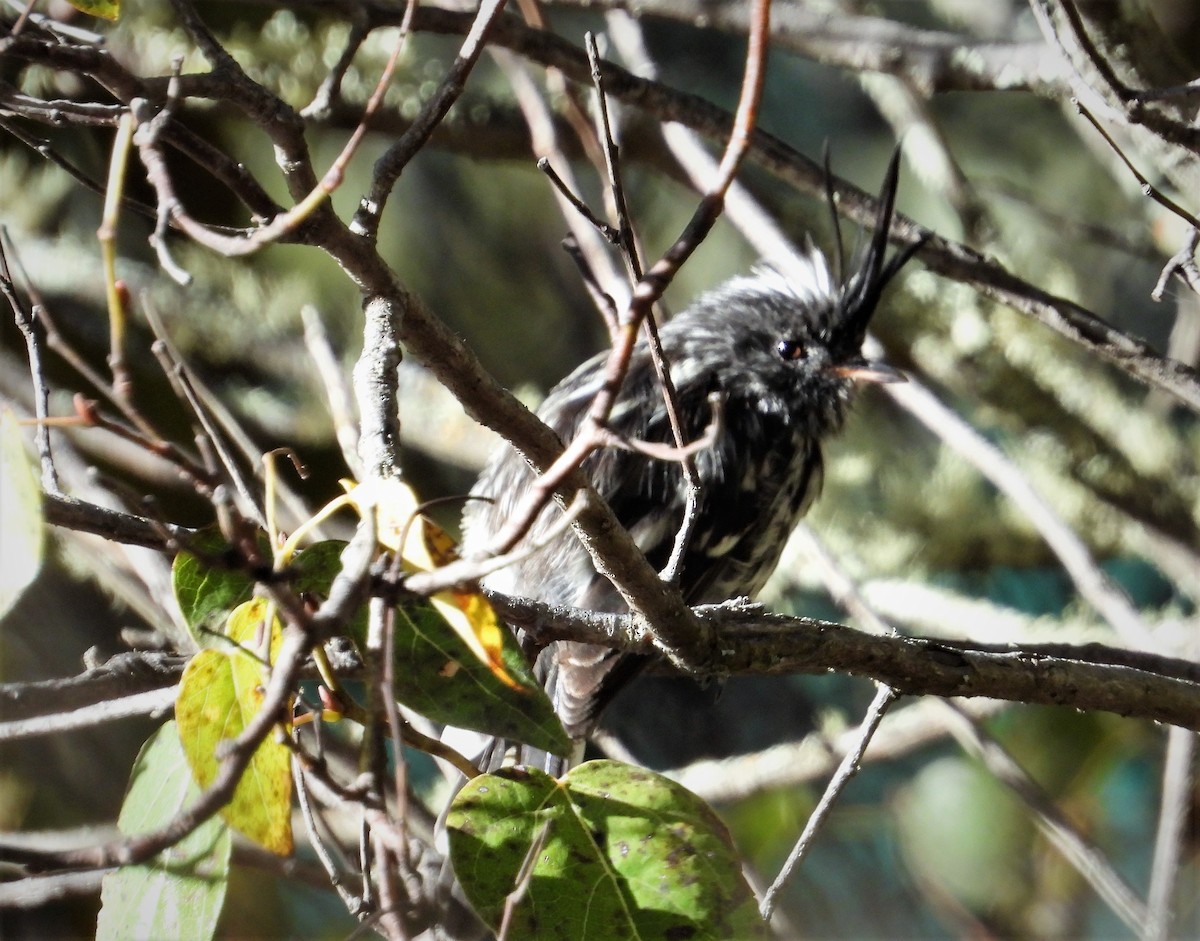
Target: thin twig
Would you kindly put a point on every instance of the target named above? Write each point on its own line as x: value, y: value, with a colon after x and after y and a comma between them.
x: 680, y: 454
x: 524, y: 879
x: 373, y: 756
x: 624, y: 235
x: 1178, y: 779
x: 691, y: 480
x: 179, y: 375
x: 602, y: 300
x: 544, y: 138
x: 54, y: 339
x: 1169, y: 91
x: 396, y: 725
x: 158, y: 239
x: 219, y: 415
x: 466, y: 572
x: 338, y: 394
x: 389, y: 167
x: 389, y: 923
x: 1148, y: 189
x: 37, y: 375
x: 46, y: 150
x: 49, y: 24
x: 89, y: 415
x: 610, y: 234
x: 884, y: 697
x: 535, y: 16
x: 107, y: 710
x: 107, y: 236
x: 904, y: 731
x: 330, y: 90
x: 364, y: 866
x: 1088, y: 48
x: 1182, y: 263
x: 352, y: 902
x: 24, y: 17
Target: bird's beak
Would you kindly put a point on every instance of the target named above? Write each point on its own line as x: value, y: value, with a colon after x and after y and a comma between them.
x: 865, y: 370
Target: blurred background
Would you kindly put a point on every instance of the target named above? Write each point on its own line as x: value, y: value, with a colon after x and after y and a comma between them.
x: 926, y: 843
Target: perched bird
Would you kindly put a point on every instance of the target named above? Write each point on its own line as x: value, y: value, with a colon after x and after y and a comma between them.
x: 784, y: 356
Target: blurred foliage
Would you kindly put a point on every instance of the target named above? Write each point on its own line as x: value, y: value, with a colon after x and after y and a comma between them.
x: 931, y: 846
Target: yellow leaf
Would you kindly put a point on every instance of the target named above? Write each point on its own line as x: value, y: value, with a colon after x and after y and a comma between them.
x: 439, y: 544
x: 426, y: 547
x: 473, y: 619
x: 106, y: 9
x: 247, y: 627
x: 219, y: 694
x: 395, y: 507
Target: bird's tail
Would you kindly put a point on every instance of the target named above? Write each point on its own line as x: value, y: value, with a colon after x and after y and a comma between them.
x: 581, y: 680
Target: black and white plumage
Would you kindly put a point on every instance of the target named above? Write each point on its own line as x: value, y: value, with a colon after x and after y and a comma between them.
x: 784, y: 356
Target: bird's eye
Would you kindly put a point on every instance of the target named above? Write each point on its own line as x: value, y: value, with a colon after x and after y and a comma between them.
x: 790, y: 349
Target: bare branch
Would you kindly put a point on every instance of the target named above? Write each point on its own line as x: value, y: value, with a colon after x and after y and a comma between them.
x: 33, y: 350
x: 113, y: 524
x: 1179, y: 775
x: 749, y: 640
x: 337, y: 391
x: 846, y: 770
x: 391, y: 164
x: 125, y: 675
x: 106, y: 710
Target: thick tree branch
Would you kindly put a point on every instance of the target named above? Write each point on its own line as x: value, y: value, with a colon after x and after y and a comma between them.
x: 126, y: 528
x: 126, y: 674
x: 751, y: 640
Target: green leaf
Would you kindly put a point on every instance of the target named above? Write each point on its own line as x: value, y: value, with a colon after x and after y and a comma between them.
x: 220, y: 692
x: 439, y: 677
x: 437, y: 674
x: 22, y: 531
x: 625, y: 853
x: 179, y: 893
x: 314, y: 568
x: 106, y: 9
x: 207, y: 595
